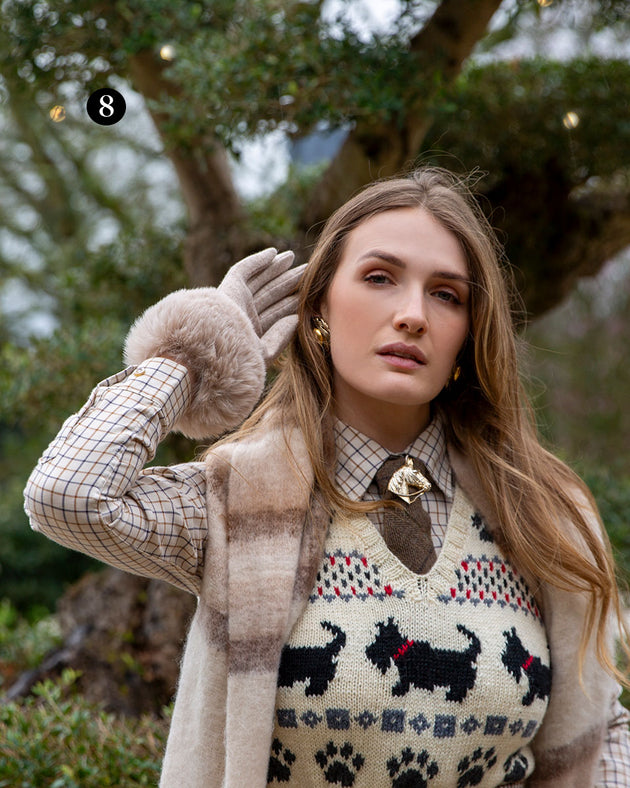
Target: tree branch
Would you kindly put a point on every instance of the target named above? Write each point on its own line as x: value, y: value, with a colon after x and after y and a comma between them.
x: 600, y: 231
x: 555, y: 235
x: 215, y: 238
x: 369, y: 152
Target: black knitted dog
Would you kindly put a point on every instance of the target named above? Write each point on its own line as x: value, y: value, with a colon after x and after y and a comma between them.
x: 520, y: 662
x: 423, y: 666
x: 316, y: 665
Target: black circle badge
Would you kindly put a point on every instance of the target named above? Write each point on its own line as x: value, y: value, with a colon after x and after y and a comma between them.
x: 106, y: 106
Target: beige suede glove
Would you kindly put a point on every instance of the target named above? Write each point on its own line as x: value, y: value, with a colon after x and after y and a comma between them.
x: 226, y: 337
x: 261, y: 285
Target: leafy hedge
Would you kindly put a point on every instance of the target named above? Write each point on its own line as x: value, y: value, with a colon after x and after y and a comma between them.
x: 59, y: 740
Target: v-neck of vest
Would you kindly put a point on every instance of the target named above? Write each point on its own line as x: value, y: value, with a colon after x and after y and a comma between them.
x: 440, y: 576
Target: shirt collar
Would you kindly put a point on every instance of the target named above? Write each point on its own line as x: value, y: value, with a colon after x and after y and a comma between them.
x: 359, y: 457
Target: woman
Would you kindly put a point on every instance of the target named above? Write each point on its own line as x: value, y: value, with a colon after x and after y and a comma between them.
x: 392, y: 574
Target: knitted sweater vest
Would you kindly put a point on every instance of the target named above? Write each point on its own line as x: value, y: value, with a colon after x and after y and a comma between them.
x: 395, y: 679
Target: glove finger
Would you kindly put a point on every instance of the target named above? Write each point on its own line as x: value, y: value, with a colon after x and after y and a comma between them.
x: 277, y: 311
x: 236, y: 284
x: 272, y: 270
x: 249, y: 267
x: 278, y: 337
x: 276, y: 290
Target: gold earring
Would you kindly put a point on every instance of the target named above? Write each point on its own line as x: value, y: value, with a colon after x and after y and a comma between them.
x: 322, y: 332
x: 454, y: 376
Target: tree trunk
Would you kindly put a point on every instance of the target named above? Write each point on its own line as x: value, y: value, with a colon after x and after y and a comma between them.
x: 555, y: 235
x: 218, y: 235
x: 125, y: 635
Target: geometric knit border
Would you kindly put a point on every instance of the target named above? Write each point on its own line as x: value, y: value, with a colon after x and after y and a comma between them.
x: 439, y: 726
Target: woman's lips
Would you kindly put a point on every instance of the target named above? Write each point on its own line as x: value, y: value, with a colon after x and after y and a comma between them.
x: 400, y: 361
x: 404, y: 350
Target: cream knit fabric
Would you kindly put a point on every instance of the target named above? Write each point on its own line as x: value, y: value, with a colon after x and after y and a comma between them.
x: 395, y: 679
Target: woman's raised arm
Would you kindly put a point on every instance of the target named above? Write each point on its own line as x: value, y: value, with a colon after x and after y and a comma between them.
x: 198, y: 360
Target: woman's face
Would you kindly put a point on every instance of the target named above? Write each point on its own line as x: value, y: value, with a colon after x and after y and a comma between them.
x: 397, y: 308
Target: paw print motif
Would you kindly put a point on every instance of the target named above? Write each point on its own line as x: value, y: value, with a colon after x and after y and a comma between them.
x: 339, y: 764
x: 280, y: 763
x: 473, y: 767
x: 515, y: 768
x: 411, y: 770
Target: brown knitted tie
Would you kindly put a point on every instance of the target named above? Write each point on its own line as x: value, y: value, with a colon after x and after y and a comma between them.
x: 407, y: 532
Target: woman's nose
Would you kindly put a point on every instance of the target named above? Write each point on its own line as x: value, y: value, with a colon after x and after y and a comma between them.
x: 411, y: 316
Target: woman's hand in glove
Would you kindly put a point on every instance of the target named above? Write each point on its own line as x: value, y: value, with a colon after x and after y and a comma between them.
x: 264, y: 286
x: 225, y: 336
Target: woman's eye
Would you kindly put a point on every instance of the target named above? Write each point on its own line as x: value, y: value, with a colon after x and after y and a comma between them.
x: 447, y: 295
x: 377, y: 279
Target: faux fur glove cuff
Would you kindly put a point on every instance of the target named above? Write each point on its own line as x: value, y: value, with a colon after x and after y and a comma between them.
x: 207, y: 333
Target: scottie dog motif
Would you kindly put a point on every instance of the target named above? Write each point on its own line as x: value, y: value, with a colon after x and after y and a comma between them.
x: 423, y: 666
x: 316, y: 665
x: 520, y: 662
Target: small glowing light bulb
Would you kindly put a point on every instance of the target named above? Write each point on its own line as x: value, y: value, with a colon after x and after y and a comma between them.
x: 167, y: 52
x: 571, y: 120
x: 57, y: 113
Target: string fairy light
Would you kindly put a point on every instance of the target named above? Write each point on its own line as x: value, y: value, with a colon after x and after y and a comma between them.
x: 167, y: 52
x: 571, y: 120
x: 58, y: 113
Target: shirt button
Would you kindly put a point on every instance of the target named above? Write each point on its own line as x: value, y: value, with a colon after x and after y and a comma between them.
x: 139, y: 372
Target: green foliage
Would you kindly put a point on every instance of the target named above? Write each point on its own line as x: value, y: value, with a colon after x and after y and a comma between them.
x: 524, y: 103
x: 252, y: 67
x: 61, y: 741
x: 251, y: 82
x: 278, y: 214
x: 611, y: 488
x: 579, y: 360
x: 23, y: 643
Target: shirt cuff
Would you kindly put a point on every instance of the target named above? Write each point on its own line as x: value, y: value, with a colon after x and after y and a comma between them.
x: 164, y: 382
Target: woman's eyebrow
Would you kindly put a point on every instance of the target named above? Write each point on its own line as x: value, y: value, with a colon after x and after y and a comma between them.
x: 453, y: 276
x: 396, y: 261
x: 386, y: 256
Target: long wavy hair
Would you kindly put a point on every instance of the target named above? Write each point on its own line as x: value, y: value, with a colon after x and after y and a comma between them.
x: 541, y: 505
